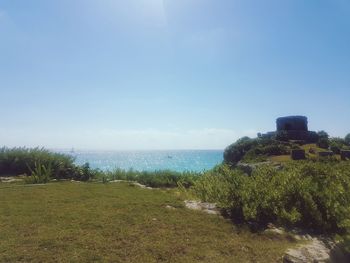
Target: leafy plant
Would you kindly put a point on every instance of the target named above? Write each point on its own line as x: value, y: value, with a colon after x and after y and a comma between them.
x: 40, y: 175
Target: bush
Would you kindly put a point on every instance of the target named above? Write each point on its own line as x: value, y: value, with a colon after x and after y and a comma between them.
x: 323, y: 135
x: 336, y: 144
x: 85, y: 173
x: 17, y: 161
x: 347, y: 139
x: 236, y: 151
x: 323, y: 141
x: 40, y: 175
x: 305, y: 194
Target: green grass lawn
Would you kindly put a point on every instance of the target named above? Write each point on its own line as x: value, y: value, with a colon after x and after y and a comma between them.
x: 116, y: 222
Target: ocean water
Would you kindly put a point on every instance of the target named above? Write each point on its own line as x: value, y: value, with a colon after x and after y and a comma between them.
x: 188, y: 160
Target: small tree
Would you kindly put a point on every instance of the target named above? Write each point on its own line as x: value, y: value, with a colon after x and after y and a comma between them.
x: 323, y: 141
x: 336, y: 144
x: 323, y: 134
x: 347, y: 139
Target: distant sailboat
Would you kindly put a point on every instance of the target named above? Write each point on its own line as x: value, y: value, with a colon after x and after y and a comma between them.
x: 72, y: 150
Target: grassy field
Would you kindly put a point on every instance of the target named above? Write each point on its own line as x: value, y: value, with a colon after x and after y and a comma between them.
x: 117, y: 222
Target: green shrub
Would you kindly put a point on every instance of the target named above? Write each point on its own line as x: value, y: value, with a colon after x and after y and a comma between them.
x: 40, y: 174
x: 17, y: 161
x: 236, y: 151
x: 306, y: 194
x: 347, y: 139
x: 85, y: 173
x: 336, y: 144
x: 323, y: 135
x: 323, y: 141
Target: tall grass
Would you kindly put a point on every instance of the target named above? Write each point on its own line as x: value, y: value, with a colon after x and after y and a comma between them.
x: 17, y: 161
x: 160, y: 178
x: 39, y: 161
x: 20, y: 161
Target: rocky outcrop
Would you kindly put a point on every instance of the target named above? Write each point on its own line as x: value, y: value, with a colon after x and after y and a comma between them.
x: 312, y: 249
x: 316, y: 250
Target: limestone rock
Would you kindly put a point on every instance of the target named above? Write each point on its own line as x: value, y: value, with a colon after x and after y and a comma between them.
x: 316, y: 250
x: 208, y: 208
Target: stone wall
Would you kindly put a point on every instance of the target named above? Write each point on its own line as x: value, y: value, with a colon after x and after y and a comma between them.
x: 325, y: 154
x: 345, y: 154
x: 298, y: 154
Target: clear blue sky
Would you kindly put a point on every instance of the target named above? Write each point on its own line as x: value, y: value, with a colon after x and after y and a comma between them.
x: 171, y: 74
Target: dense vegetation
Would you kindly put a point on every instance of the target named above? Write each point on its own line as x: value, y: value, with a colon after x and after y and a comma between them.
x: 312, y: 195
x: 347, y: 139
x: 259, y: 149
x: 41, y: 163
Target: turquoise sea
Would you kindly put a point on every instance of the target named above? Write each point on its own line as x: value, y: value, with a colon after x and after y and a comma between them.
x: 177, y: 160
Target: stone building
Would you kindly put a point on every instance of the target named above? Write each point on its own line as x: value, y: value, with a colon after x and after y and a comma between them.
x: 293, y: 128
x: 292, y: 123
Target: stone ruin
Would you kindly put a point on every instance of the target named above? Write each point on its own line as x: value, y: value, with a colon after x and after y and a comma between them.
x: 298, y: 154
x: 326, y: 154
x: 293, y: 128
x: 345, y: 154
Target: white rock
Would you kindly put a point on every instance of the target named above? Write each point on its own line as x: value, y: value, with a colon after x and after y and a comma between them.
x: 208, y: 208
x: 314, y: 251
x: 170, y: 207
